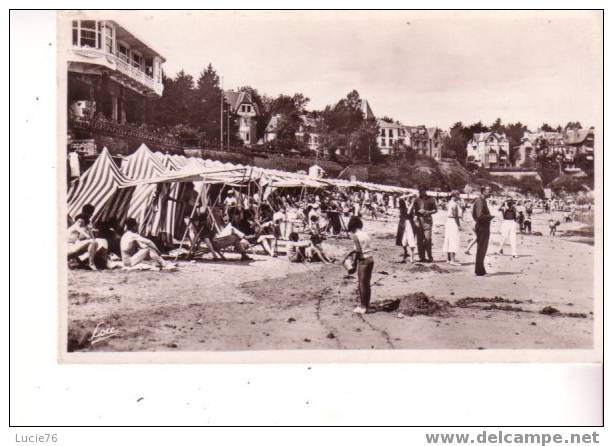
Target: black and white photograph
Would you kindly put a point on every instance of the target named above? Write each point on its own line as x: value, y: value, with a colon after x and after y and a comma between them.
x: 329, y: 182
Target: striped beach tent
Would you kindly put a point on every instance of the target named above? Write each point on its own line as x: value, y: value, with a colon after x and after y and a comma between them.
x: 145, y: 201
x: 103, y: 186
x: 168, y: 220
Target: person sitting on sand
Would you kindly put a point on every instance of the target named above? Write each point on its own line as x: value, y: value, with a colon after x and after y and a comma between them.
x: 82, y: 241
x: 201, y: 227
x: 230, y: 236
x: 297, y: 250
x: 136, y: 248
x: 317, y: 239
x: 264, y: 235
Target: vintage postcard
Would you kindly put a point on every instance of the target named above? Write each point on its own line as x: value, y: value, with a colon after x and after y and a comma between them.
x: 337, y: 186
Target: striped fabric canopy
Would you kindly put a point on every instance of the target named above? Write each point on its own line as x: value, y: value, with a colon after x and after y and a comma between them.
x: 143, y: 165
x: 98, y: 186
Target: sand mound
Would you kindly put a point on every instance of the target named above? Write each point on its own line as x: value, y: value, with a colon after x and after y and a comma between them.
x: 422, y: 304
x: 552, y: 311
x: 428, y: 268
x: 470, y: 301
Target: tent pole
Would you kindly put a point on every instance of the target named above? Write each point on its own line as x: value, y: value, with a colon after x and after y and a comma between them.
x: 190, y: 219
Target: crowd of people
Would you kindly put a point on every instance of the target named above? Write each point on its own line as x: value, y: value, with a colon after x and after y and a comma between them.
x: 301, y: 222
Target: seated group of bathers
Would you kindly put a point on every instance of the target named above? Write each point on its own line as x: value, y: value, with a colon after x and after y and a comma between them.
x: 86, y: 249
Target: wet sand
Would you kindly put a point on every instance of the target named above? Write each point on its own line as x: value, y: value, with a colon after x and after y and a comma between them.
x: 270, y: 304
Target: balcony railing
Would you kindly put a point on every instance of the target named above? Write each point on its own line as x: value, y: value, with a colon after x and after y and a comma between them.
x: 135, y: 73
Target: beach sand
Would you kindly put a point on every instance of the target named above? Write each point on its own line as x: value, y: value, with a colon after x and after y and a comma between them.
x: 270, y: 304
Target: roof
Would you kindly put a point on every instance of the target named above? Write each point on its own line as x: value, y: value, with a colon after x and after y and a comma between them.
x: 417, y: 130
x: 135, y: 43
x: 236, y: 98
x: 389, y: 125
x: 484, y: 136
x: 577, y: 136
x: 272, y: 124
x: 432, y: 131
x: 365, y: 108
x: 307, y: 121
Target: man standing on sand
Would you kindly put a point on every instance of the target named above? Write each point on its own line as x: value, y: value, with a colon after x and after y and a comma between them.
x: 425, y: 207
x: 482, y: 217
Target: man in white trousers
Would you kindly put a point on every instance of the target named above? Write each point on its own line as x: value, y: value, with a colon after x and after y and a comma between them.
x: 508, y: 228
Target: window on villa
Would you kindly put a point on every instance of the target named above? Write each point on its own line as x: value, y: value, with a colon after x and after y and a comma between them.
x: 382, y: 132
x: 390, y: 142
x: 123, y: 52
x: 109, y: 41
x: 149, y: 66
x: 137, y: 60
x: 86, y: 33
x: 382, y: 142
x: 247, y: 137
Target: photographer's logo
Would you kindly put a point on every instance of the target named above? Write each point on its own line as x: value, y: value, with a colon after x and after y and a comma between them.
x: 102, y: 332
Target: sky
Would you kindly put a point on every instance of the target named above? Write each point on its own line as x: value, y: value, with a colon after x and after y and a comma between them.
x: 432, y: 68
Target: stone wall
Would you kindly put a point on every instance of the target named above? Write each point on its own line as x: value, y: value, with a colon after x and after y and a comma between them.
x: 126, y: 146
x: 517, y: 174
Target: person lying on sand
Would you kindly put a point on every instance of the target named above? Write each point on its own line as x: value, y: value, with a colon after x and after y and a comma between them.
x: 82, y: 245
x: 136, y: 248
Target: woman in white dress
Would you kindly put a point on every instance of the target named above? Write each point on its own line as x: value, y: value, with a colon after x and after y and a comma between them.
x: 451, y: 245
x: 409, y: 243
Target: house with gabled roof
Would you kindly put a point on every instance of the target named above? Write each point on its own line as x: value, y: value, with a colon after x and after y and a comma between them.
x: 489, y: 150
x: 426, y: 140
x: 242, y: 104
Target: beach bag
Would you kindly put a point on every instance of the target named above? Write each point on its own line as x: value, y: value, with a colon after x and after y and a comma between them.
x: 350, y: 263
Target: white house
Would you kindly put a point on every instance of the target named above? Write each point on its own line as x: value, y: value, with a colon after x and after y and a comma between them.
x: 489, y: 149
x: 242, y: 104
x: 111, y: 71
x: 391, y: 133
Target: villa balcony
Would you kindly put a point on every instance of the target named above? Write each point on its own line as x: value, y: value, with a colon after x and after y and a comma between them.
x: 103, y: 47
x: 133, y: 74
x: 92, y: 60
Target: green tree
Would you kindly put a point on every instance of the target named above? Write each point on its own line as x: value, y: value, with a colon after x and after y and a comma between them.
x: 454, y: 144
x: 363, y: 142
x: 346, y: 116
x: 497, y: 126
x: 573, y: 126
x: 176, y: 104
x: 206, y: 112
x: 547, y: 128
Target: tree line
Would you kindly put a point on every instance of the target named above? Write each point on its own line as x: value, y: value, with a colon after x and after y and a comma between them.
x: 191, y: 109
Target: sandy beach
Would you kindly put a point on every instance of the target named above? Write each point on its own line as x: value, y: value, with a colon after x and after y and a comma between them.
x: 271, y: 304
